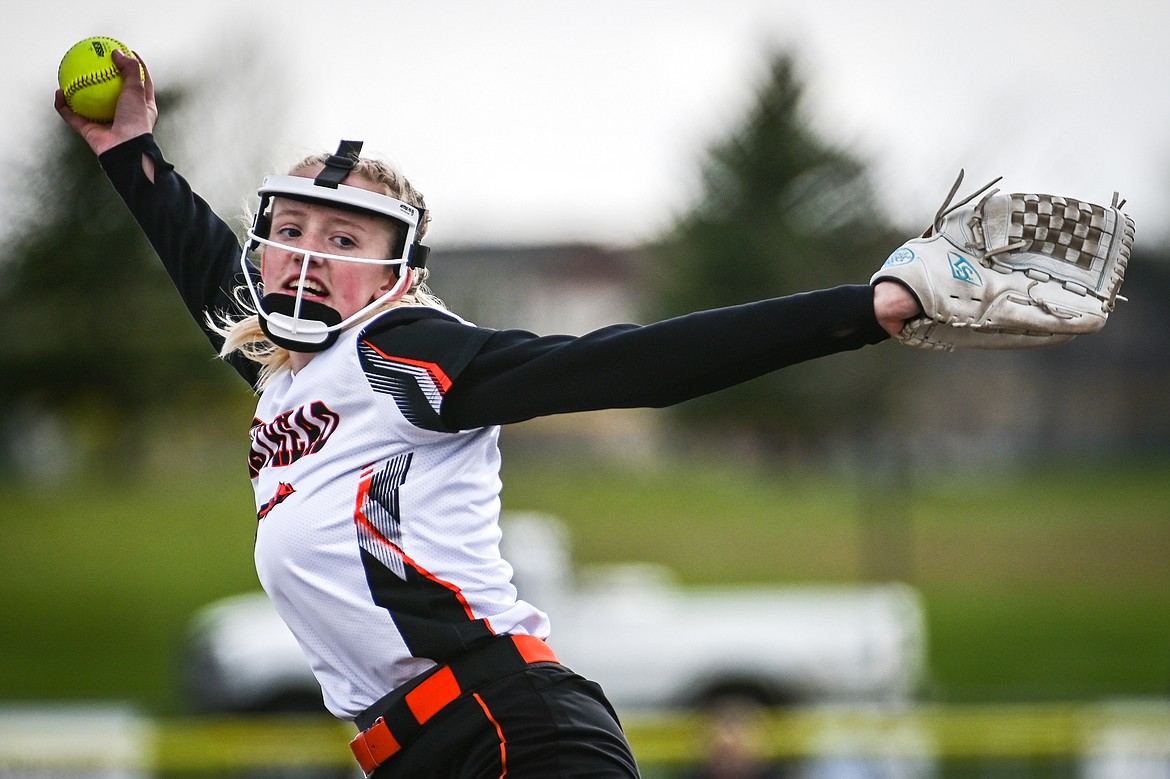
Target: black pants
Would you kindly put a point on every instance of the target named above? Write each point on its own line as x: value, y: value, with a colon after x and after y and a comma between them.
x: 544, y: 721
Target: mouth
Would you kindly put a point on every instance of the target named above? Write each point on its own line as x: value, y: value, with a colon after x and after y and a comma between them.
x: 311, y: 290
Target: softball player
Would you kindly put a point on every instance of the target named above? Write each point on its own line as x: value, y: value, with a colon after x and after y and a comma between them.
x: 374, y: 455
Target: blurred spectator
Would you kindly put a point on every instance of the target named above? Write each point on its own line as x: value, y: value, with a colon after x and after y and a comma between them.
x: 734, y: 744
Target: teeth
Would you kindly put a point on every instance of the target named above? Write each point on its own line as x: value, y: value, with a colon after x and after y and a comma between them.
x: 310, y: 288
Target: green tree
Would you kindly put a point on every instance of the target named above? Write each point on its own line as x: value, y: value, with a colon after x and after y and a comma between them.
x: 780, y: 211
x: 94, y: 332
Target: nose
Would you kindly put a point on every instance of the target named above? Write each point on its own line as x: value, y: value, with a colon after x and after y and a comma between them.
x: 297, y: 249
x: 299, y: 257
x: 290, y: 255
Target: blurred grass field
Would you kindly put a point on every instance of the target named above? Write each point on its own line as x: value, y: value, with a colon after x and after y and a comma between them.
x: 1051, y: 585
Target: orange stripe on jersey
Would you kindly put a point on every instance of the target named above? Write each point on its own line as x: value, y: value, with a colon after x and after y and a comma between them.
x: 437, y: 374
x: 453, y: 588
x: 360, y: 517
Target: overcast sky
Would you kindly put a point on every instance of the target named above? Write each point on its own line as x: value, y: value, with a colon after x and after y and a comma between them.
x: 538, y: 120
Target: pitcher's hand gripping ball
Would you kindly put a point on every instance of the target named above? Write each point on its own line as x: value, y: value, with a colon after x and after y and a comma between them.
x: 1012, y: 271
x: 90, y: 80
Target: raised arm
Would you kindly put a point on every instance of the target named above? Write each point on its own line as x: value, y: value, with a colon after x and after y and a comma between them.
x: 198, y: 249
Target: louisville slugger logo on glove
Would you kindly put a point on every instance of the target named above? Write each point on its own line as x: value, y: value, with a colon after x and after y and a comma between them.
x: 1012, y: 271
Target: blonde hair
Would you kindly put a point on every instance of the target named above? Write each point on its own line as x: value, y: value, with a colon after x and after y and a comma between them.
x: 245, y: 335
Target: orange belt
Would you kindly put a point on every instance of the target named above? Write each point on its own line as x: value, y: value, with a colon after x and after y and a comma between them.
x: 404, y: 715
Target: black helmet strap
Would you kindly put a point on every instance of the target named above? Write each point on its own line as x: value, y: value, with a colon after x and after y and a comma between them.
x: 339, y: 165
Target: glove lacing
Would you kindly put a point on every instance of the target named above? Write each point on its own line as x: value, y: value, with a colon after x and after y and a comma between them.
x: 947, y: 208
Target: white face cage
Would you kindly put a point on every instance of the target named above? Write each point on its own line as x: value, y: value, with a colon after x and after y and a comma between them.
x: 309, y: 326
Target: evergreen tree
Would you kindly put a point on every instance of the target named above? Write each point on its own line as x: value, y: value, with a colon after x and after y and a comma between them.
x: 780, y: 211
x: 94, y: 331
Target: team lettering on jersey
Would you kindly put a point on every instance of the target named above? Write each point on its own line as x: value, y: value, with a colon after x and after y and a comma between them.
x: 290, y: 436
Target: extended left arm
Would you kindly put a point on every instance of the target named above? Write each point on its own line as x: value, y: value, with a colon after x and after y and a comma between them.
x: 517, y: 375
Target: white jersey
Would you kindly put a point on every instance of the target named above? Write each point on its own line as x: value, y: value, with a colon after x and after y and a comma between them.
x: 378, y: 538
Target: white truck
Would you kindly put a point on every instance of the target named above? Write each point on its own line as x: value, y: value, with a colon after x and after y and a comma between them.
x: 651, y: 644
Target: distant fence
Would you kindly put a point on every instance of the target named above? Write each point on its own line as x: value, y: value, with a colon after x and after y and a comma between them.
x: 1104, y: 741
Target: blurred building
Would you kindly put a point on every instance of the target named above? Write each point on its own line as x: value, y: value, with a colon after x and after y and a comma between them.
x: 560, y: 288
x: 570, y: 288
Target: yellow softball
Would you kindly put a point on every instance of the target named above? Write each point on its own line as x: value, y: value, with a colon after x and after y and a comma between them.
x: 90, y: 80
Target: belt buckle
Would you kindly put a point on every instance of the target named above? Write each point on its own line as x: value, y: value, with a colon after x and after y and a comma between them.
x: 374, y: 746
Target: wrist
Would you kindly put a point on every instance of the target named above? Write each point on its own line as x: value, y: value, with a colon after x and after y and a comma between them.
x: 893, y: 304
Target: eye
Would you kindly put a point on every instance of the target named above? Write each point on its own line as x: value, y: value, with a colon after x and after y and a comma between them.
x: 344, y: 242
x: 289, y: 232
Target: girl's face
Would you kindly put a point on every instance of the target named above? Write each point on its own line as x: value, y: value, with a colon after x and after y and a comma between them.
x: 346, y: 287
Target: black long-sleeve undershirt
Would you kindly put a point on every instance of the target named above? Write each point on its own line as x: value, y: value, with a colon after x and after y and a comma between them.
x: 516, y: 376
